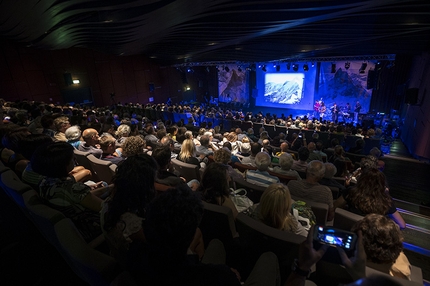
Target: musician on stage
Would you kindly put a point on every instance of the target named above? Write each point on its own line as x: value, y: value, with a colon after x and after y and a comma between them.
x: 334, y: 112
x: 348, y: 108
x: 323, y: 109
x: 357, y: 109
x: 317, y: 109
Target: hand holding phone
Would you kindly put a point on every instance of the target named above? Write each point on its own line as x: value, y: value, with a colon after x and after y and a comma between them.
x: 335, y: 237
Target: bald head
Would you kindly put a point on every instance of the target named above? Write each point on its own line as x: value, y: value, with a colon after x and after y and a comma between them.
x: 91, y: 136
x: 284, y: 147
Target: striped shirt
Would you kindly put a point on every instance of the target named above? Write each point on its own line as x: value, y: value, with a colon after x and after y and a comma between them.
x: 260, y: 178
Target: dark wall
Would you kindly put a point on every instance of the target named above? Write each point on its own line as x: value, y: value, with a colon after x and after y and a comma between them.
x: 416, y: 129
x: 27, y: 73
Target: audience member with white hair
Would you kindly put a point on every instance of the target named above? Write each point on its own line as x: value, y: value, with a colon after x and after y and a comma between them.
x: 284, y: 168
x: 260, y: 176
x: 330, y: 170
x: 73, y: 135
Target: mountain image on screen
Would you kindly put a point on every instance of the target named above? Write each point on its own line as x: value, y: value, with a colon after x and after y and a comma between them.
x: 283, y: 93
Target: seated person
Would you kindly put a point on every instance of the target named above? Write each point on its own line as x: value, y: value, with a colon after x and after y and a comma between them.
x: 171, y: 223
x: 260, y: 176
x: 91, y: 142
x: 275, y: 210
x: 188, y: 152
x: 358, y: 148
x: 339, y: 160
x: 328, y: 180
x: 205, y: 146
x: 107, y: 144
x: 375, y: 152
x: 312, y: 154
x: 371, y: 195
x: 133, y: 145
x: 214, y: 186
x: 75, y: 200
x: 61, y: 124
x: 124, y: 211
x: 29, y: 145
x: 301, y: 164
x: 383, y: 244
x: 73, y: 135
x: 284, y: 168
x: 310, y: 188
x: 122, y: 133
x: 250, y: 160
x: 223, y: 156
x: 162, y: 156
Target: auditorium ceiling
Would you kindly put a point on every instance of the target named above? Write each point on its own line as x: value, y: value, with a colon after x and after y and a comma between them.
x: 176, y: 32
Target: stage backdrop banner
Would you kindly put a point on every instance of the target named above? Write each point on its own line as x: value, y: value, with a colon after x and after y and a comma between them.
x: 232, y: 85
x: 345, y: 85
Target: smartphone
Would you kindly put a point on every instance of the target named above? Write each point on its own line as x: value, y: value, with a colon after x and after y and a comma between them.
x: 335, y: 237
x: 300, y: 135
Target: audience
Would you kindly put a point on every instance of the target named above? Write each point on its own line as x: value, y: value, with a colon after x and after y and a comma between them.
x: 383, y: 243
x: 165, y: 232
x: 371, y: 195
x: 260, y: 176
x: 301, y: 164
x: 61, y: 124
x: 75, y: 200
x: 310, y: 188
x: 275, y: 210
x: 124, y: 211
x: 250, y: 160
x: 285, y: 163
x: 91, y: 143
x: 108, y: 146
x: 73, y: 136
x: 133, y: 145
x: 214, y: 186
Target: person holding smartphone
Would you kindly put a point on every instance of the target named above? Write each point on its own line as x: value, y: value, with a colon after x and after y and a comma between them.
x: 308, y: 256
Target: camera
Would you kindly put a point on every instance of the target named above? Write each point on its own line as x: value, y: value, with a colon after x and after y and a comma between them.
x: 335, y: 237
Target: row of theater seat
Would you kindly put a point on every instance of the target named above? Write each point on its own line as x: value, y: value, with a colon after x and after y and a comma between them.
x: 245, y: 236
x: 226, y: 125
x: 254, y: 238
x: 91, y: 265
x: 218, y: 223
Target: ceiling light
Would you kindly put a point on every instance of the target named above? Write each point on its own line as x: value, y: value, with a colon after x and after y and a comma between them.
x: 226, y: 68
x: 312, y: 65
x: 295, y: 67
x: 347, y: 65
x: 263, y: 68
x: 305, y: 67
x: 363, y: 68
x: 76, y: 81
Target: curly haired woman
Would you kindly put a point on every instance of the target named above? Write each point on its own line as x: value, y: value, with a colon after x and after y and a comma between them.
x: 370, y: 195
x: 383, y: 244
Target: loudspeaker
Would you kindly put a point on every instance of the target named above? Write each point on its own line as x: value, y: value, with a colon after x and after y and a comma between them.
x: 371, y: 79
x: 411, y: 96
x: 68, y: 78
x: 151, y: 87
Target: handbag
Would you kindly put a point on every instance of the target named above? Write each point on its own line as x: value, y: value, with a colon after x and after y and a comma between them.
x: 240, y: 200
x: 303, y: 214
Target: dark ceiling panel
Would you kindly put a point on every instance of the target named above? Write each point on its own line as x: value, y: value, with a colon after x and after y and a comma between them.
x: 193, y: 31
